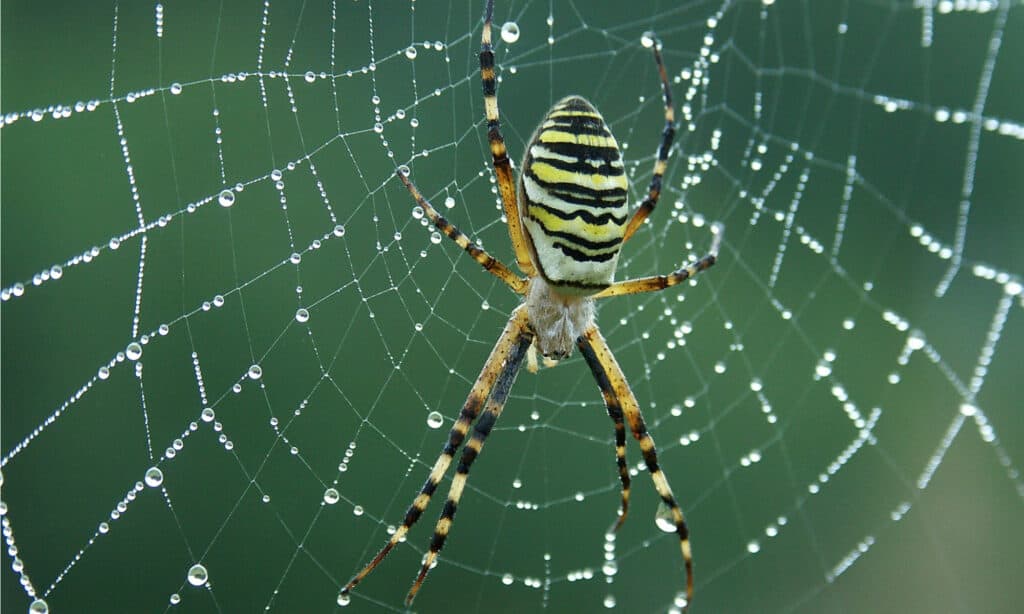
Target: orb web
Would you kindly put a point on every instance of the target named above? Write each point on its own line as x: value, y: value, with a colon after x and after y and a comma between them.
x: 232, y: 344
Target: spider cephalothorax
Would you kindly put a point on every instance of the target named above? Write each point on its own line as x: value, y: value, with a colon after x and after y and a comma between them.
x: 567, y: 226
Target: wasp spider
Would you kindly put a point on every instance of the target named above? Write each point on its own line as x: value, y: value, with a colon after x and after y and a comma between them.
x: 567, y: 221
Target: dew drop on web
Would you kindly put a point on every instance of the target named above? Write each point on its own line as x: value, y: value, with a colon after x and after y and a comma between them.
x: 435, y: 419
x: 154, y: 477
x: 510, y: 32
x: 197, y: 575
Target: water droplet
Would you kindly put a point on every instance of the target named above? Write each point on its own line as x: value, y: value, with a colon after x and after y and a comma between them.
x: 310, y: 76
x: 449, y: 202
x: 417, y: 212
x: 39, y: 607
x: 435, y: 419
x: 197, y: 575
x: 226, y: 198
x: 154, y: 477
x: 331, y: 496
x: 103, y: 373
x: 302, y: 314
x: 175, y: 88
x: 435, y: 237
x: 207, y: 414
x: 647, y: 39
x: 378, y: 127
x: 175, y: 599
x: 339, y: 231
x: 609, y: 601
x: 255, y: 372
x: 507, y: 579
x: 344, y: 599
x: 410, y: 52
x: 133, y: 351
x: 510, y: 32
x: 753, y: 547
x: 663, y: 518
x: 404, y: 170
x: 357, y: 510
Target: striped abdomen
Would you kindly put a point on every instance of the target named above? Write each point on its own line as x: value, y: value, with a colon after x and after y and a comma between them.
x: 572, y: 195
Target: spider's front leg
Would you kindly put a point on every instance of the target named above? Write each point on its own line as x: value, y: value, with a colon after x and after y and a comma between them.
x: 493, y: 370
x: 614, y: 387
x: 499, y: 394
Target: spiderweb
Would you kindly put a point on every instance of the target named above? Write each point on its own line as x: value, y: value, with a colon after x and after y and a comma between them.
x: 231, y: 351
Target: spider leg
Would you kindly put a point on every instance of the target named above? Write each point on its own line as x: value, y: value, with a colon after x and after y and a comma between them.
x: 506, y: 344
x: 615, y: 412
x: 654, y: 190
x: 609, y: 375
x: 491, y: 264
x: 502, y: 165
x: 469, y: 454
x: 657, y: 282
x: 611, y: 402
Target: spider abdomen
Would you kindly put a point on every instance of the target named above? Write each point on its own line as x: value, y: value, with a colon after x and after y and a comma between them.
x: 572, y: 190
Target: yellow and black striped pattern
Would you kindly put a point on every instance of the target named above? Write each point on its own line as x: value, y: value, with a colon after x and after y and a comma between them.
x: 567, y: 223
x: 573, y: 191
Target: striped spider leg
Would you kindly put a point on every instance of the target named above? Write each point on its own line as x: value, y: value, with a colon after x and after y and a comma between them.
x: 567, y: 220
x: 494, y: 382
x: 619, y: 399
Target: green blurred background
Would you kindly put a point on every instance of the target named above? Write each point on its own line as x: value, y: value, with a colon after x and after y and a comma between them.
x: 751, y: 380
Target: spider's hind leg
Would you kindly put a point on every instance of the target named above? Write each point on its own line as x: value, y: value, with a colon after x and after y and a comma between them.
x: 661, y: 162
x: 490, y: 264
x: 499, y: 154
